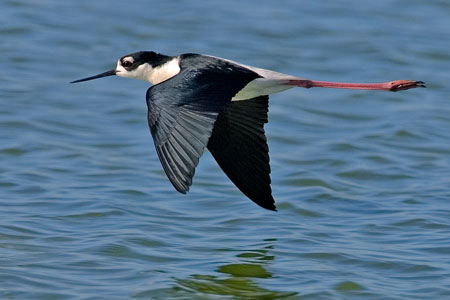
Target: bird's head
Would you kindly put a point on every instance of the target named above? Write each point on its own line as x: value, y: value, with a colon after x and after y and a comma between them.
x: 144, y: 65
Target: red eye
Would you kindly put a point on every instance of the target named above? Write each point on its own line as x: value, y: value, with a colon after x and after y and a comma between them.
x: 126, y: 63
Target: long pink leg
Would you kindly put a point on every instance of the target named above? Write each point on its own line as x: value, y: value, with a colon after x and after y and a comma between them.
x: 393, y: 86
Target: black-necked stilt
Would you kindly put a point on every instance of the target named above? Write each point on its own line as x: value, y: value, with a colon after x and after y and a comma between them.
x: 196, y: 102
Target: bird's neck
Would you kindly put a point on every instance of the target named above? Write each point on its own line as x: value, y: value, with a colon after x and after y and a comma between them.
x: 162, y: 72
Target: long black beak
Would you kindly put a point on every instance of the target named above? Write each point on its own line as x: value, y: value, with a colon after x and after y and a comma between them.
x: 107, y: 73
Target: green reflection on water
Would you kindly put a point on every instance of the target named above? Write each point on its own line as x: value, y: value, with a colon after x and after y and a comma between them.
x: 239, y: 280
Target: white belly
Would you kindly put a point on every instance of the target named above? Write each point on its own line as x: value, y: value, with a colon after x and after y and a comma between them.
x: 260, y: 87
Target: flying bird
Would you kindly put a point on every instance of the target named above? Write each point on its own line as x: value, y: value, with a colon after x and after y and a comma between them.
x: 199, y: 101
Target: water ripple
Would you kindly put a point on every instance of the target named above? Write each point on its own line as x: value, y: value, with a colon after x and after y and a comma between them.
x: 360, y: 178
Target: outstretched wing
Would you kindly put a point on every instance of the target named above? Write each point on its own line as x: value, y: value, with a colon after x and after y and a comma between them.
x: 183, y: 109
x: 239, y: 145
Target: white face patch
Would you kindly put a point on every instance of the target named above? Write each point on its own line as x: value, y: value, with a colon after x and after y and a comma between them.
x: 148, y: 73
x: 142, y: 72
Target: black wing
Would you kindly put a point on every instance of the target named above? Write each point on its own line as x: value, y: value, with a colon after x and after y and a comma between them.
x: 239, y: 145
x: 182, y: 112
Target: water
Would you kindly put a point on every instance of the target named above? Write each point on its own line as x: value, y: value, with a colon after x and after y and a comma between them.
x: 361, y: 178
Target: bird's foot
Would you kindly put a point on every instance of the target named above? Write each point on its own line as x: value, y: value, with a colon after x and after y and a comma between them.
x: 400, y: 85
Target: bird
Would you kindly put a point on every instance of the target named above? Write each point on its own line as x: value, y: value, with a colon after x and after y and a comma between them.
x: 199, y: 101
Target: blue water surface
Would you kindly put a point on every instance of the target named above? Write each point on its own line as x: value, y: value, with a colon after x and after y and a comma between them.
x: 361, y: 178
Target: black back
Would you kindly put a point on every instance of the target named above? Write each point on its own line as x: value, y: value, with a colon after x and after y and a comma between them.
x: 183, y: 109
